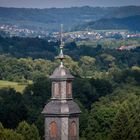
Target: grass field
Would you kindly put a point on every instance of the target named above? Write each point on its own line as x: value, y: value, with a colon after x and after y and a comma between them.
x: 17, y: 86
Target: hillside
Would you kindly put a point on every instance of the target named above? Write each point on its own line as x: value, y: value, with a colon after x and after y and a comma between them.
x: 128, y: 23
x: 50, y: 19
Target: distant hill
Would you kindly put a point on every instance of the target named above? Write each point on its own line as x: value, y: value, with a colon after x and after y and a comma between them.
x: 128, y: 23
x: 50, y: 19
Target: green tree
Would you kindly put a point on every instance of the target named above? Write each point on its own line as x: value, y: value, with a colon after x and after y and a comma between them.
x: 100, y: 120
x: 9, y: 134
x: 127, y: 123
x: 1, y: 126
x: 72, y: 65
x: 30, y: 132
x: 108, y: 59
x: 104, y: 118
x: 88, y: 65
x: 83, y: 119
x: 12, y: 108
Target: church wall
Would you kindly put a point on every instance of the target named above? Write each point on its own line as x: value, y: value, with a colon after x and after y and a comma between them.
x: 65, y: 131
x: 48, y: 121
x: 64, y: 128
x: 73, y: 135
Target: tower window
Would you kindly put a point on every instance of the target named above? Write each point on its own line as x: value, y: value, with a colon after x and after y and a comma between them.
x: 56, y: 89
x: 73, y: 129
x: 69, y: 88
x: 53, y: 130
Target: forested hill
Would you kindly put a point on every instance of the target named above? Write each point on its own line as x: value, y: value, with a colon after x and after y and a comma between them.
x: 106, y: 87
x: 129, y: 23
x: 51, y: 19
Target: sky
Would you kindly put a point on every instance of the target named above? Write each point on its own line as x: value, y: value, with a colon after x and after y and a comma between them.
x: 65, y: 3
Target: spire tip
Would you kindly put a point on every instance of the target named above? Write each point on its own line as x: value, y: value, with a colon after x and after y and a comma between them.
x: 61, y: 55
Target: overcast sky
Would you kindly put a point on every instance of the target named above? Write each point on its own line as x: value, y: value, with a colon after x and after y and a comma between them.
x: 65, y: 3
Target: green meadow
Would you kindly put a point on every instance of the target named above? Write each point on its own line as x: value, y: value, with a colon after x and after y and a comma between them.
x: 17, y: 86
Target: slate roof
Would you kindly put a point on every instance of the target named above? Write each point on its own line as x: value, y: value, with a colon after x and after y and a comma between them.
x: 58, y: 107
x: 61, y: 73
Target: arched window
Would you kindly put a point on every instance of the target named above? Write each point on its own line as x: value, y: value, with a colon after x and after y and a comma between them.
x: 53, y: 129
x: 73, y: 129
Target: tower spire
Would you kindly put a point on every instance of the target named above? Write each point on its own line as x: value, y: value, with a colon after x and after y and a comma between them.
x: 61, y: 36
x: 61, y: 113
x: 61, y: 55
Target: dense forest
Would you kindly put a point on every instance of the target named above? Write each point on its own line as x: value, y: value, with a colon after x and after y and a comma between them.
x: 127, y: 23
x: 50, y: 19
x: 106, y: 87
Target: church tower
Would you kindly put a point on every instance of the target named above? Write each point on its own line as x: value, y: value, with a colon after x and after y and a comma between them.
x: 61, y: 113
